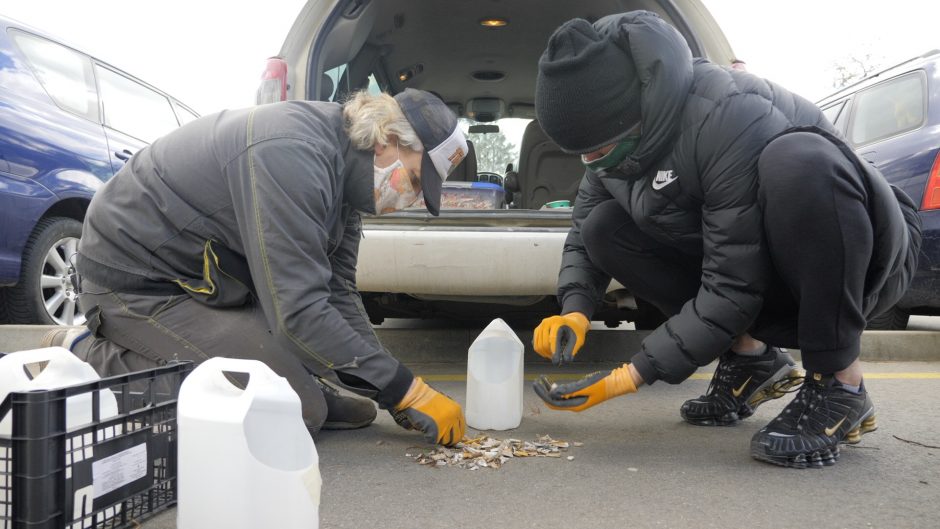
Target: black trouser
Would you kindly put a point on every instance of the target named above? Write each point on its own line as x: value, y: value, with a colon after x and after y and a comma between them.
x: 819, y: 237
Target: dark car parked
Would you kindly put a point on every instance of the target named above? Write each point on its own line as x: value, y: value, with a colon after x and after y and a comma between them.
x: 68, y: 122
x: 892, y: 118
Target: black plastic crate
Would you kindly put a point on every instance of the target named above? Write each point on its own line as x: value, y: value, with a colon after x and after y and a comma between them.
x: 46, y: 472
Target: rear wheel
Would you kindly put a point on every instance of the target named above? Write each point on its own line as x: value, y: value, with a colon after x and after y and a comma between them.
x: 4, y: 317
x: 45, y: 294
x: 894, y: 319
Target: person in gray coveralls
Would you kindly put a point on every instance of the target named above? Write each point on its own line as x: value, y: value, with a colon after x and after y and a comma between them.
x: 237, y: 235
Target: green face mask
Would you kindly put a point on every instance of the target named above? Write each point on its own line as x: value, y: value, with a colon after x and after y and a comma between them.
x: 615, y: 156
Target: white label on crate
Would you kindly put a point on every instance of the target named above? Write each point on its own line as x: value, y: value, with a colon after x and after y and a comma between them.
x: 115, y: 471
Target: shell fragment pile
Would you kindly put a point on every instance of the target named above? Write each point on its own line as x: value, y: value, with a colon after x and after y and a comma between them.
x: 489, y: 452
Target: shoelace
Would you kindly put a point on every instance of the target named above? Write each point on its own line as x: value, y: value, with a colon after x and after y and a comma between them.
x: 723, y: 378
x: 788, y: 384
x: 806, y: 401
x: 326, y: 388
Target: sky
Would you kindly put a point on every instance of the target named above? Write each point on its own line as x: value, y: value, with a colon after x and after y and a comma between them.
x: 797, y: 42
x: 210, y: 53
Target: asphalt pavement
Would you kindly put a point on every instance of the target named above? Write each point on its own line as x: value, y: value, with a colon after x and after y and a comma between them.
x: 641, y: 466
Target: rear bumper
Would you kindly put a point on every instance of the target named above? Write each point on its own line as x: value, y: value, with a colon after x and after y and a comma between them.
x: 924, y: 292
x: 460, y: 263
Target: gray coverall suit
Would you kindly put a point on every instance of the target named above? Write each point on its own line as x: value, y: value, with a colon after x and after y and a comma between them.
x: 237, y: 235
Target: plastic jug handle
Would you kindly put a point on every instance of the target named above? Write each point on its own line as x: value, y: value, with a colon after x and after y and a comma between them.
x: 256, y: 370
x: 48, y: 354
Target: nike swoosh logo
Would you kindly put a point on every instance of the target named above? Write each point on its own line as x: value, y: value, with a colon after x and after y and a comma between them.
x: 663, y: 179
x: 737, y: 392
x: 830, y: 431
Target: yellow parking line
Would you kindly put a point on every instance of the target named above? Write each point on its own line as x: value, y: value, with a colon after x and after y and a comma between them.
x: 901, y: 376
x: 695, y: 376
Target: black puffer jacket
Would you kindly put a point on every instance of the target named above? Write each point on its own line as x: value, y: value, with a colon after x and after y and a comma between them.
x: 707, y: 125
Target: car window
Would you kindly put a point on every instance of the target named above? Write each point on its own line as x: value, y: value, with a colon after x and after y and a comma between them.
x: 834, y: 112
x: 495, y: 150
x: 184, y: 115
x: 888, y: 109
x: 336, y: 75
x: 64, y: 73
x: 132, y: 108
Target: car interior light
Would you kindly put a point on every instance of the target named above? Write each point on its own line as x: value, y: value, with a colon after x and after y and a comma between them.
x: 407, y: 73
x: 493, y: 22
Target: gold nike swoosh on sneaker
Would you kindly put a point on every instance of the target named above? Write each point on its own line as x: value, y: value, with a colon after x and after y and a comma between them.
x: 830, y: 431
x: 737, y: 392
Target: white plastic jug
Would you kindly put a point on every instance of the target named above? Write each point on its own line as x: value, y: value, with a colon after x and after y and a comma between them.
x: 54, y: 368
x: 494, y: 379
x: 246, y: 459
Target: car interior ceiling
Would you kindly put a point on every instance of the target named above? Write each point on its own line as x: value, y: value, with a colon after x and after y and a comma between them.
x: 482, y: 73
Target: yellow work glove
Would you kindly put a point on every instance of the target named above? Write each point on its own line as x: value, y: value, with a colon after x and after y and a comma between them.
x: 589, y: 391
x: 559, y: 338
x: 440, y: 418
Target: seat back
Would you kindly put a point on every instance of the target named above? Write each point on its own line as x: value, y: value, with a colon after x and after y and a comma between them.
x: 326, y: 87
x: 466, y: 171
x: 546, y: 173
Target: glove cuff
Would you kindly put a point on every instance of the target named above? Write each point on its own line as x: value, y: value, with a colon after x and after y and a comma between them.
x: 619, y: 382
x: 396, y: 389
x: 582, y: 320
x: 419, y: 393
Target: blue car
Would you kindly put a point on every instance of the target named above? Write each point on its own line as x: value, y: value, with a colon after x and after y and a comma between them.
x: 892, y: 119
x: 68, y: 122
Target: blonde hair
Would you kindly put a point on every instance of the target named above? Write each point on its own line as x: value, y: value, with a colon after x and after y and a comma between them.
x: 371, y: 118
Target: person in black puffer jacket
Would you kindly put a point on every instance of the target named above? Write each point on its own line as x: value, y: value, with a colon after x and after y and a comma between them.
x: 734, y: 207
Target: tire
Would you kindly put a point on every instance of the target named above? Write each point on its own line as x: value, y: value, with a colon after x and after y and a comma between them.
x: 894, y: 319
x: 44, y: 294
x: 4, y: 317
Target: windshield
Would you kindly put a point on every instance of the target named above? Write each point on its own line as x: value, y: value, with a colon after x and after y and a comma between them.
x: 496, y: 150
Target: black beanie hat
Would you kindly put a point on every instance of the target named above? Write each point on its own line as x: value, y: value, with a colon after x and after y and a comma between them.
x: 587, y: 94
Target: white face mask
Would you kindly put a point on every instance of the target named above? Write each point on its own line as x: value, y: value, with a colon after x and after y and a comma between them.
x: 393, y: 189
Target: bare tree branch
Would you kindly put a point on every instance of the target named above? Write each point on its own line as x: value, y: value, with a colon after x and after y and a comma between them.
x: 853, y: 68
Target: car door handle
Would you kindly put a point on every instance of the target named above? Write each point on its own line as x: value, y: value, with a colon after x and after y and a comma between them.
x: 123, y: 155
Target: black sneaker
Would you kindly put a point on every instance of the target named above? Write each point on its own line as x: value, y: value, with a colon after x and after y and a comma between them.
x: 808, y: 431
x: 741, y: 384
x: 345, y: 413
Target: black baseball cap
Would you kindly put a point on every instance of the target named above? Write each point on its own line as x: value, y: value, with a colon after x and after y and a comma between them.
x: 444, y: 143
